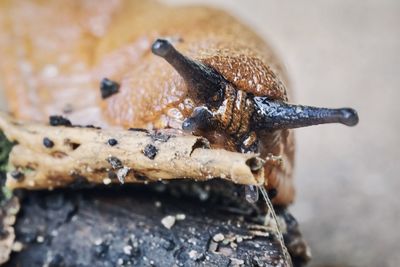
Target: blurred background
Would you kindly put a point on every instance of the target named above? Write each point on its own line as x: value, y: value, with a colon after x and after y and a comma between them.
x: 341, y: 53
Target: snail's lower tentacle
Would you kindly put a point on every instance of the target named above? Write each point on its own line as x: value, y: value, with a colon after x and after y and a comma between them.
x: 201, y: 119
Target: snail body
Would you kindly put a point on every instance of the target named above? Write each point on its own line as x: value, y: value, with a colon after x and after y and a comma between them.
x: 226, y: 83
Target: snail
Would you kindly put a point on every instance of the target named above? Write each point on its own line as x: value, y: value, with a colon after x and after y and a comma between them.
x: 193, y: 68
x: 225, y: 83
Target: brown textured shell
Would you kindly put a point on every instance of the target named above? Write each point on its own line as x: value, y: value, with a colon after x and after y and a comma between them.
x: 52, y: 64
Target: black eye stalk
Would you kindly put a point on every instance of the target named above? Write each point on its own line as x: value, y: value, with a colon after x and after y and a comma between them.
x: 204, y: 83
x: 272, y: 114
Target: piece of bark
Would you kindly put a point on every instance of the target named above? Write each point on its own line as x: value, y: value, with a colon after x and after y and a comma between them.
x: 47, y: 157
x: 8, y: 212
x: 124, y: 227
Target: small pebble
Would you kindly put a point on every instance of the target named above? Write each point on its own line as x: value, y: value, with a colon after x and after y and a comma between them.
x: 128, y: 250
x: 48, y: 143
x: 168, y: 221
x: 39, y: 239
x: 107, y: 181
x: 180, y: 216
x: 98, y: 242
x: 54, y: 233
x: 218, y: 237
x: 193, y: 254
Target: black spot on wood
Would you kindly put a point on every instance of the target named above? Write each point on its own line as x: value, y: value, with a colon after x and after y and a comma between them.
x: 115, y: 162
x: 59, y: 121
x: 92, y: 126
x: 47, y: 142
x: 138, y: 130
x: 150, y: 151
x: 108, y: 88
x: 74, y: 145
x: 159, y: 136
x: 112, y: 142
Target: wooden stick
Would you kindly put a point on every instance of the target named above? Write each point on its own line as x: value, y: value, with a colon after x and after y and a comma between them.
x: 46, y: 156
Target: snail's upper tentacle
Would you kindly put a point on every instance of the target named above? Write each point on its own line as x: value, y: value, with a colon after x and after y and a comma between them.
x: 203, y: 82
x: 272, y: 114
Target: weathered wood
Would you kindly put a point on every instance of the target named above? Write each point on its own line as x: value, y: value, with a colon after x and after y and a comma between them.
x: 123, y: 227
x: 47, y: 157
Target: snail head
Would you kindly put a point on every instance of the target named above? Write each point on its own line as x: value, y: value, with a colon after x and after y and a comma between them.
x: 206, y: 86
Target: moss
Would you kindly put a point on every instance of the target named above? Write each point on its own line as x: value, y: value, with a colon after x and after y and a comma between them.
x: 5, y: 148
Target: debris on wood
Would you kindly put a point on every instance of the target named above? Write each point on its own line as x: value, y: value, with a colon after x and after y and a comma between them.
x: 168, y: 221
